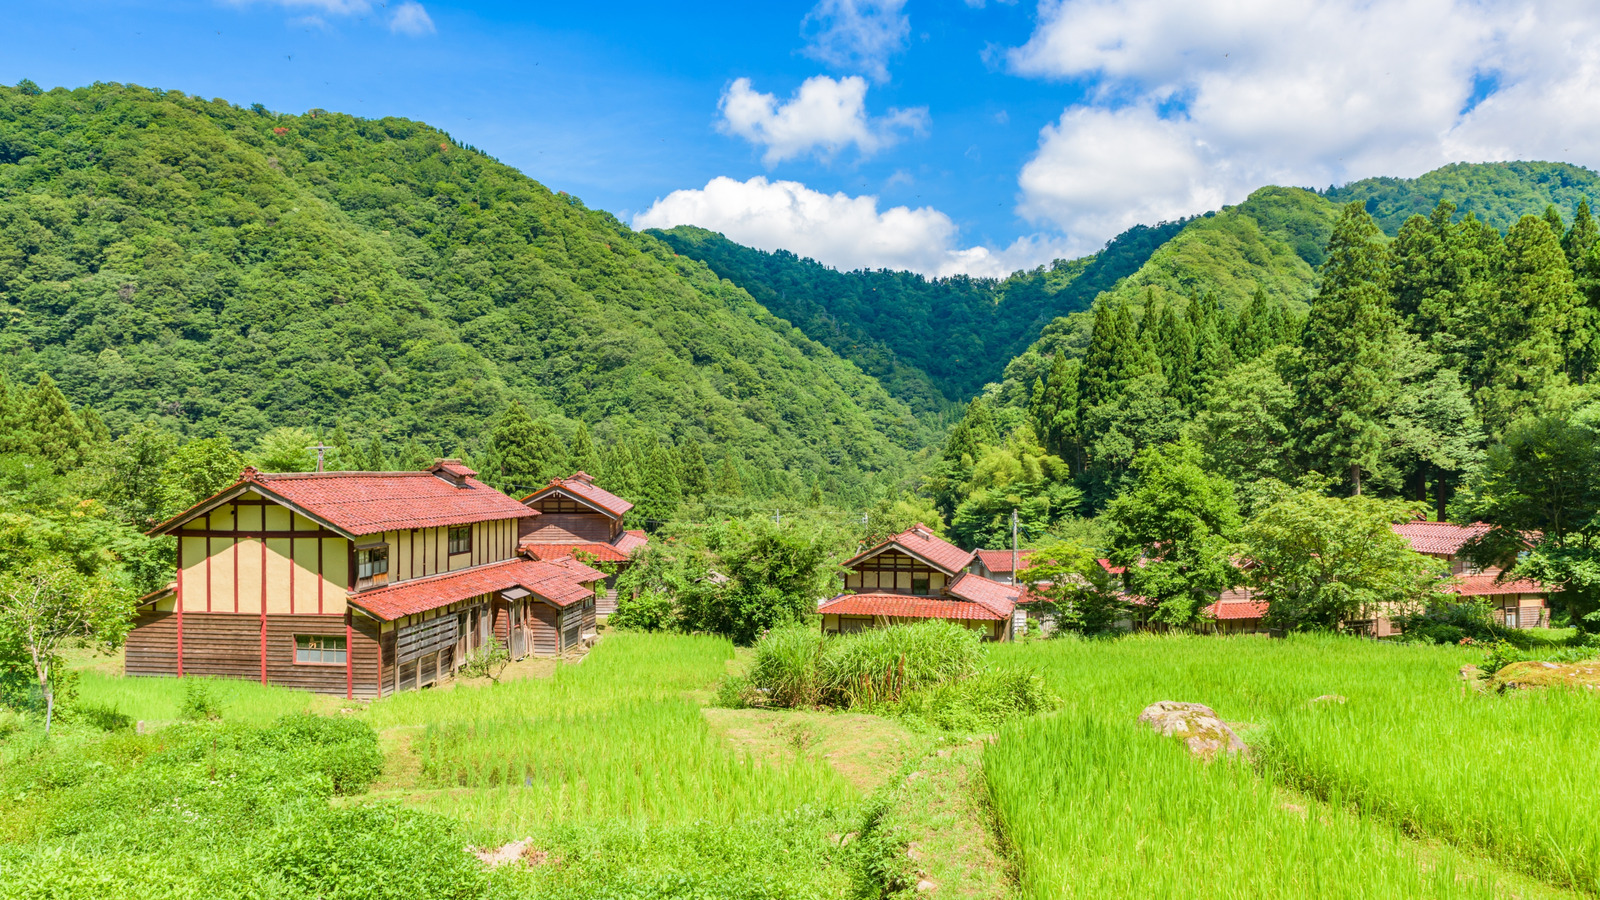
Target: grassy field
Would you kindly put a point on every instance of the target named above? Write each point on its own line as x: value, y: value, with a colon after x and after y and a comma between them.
x: 1512, y: 778
x: 622, y: 783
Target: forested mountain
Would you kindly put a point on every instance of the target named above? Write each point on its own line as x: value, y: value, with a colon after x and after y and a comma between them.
x: 931, y: 342
x: 216, y: 270
x: 1497, y: 194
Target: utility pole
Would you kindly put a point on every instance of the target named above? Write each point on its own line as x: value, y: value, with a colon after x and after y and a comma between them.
x: 777, y: 516
x: 320, y: 448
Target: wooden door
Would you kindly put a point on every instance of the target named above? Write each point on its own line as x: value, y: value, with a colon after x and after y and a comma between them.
x: 519, y: 633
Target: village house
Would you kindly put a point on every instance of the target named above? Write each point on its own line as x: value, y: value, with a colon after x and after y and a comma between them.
x: 355, y: 583
x: 916, y: 575
x: 577, y: 519
x: 1517, y: 603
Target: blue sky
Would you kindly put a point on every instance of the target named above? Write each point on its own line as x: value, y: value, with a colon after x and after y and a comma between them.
x: 943, y: 136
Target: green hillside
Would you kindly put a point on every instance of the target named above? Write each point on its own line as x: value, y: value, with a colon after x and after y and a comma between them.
x: 221, y: 270
x: 1497, y: 193
x: 932, y: 342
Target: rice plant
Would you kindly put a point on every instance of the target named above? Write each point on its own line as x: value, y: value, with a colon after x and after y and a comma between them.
x: 1096, y: 807
x: 1514, y: 776
x: 160, y: 700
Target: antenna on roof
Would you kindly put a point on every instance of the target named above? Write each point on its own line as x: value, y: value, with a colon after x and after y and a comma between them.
x: 320, y: 448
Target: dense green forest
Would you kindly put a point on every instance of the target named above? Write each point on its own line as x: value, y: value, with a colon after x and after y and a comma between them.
x: 221, y: 271
x: 931, y: 342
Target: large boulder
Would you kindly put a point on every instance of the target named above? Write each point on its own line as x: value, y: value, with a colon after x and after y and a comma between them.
x: 1540, y: 674
x: 1196, y: 725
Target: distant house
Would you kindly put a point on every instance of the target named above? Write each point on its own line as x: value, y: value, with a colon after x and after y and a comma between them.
x: 1236, y: 611
x: 1517, y: 603
x: 578, y: 519
x: 999, y: 565
x: 354, y: 583
x: 916, y: 575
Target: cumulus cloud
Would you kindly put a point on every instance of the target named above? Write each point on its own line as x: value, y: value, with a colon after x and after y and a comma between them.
x: 410, y: 18
x: 836, y: 229
x: 824, y: 117
x: 856, y: 35
x: 1191, y: 105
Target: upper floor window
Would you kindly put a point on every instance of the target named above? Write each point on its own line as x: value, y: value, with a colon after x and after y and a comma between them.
x: 919, y: 584
x: 460, y: 539
x: 372, y: 566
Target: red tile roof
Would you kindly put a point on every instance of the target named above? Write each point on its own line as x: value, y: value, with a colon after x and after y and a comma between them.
x: 452, y: 466
x: 361, y: 503
x: 601, y: 552
x: 1113, y: 570
x: 1238, y: 603
x: 631, y: 541
x: 909, y: 607
x: 1439, y: 538
x: 998, y: 561
x: 1000, y: 599
x: 558, y: 583
x: 581, y: 486
x: 920, y: 541
x: 1486, y: 584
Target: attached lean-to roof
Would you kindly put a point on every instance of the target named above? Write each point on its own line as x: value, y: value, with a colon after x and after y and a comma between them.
x: 560, y: 584
x: 362, y: 503
x: 630, y: 541
x: 919, y: 541
x: 601, y: 552
x: 1000, y: 599
x: 1237, y: 603
x: 1487, y: 584
x: 909, y: 607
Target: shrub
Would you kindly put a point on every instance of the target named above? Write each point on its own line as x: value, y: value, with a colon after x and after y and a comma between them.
x: 880, y: 665
x: 375, y: 851
x: 200, y: 704
x: 733, y: 692
x: 798, y: 666
x: 488, y: 662
x: 787, y: 668
x: 982, y: 702
x: 345, y: 751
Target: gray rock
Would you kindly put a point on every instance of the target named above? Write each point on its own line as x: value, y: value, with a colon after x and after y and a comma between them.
x: 1326, y: 698
x: 1196, y: 725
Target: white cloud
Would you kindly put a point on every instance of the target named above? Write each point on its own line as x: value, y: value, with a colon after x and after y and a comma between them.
x: 1191, y: 105
x: 856, y: 35
x: 836, y: 229
x: 410, y: 18
x: 824, y: 117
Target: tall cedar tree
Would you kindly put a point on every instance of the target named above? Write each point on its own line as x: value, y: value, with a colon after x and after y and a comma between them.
x: 693, y: 474
x: 728, y: 483
x: 1346, y: 381
x: 1055, y: 411
x: 49, y: 428
x: 1114, y: 352
x: 1525, y: 363
x: 585, y: 458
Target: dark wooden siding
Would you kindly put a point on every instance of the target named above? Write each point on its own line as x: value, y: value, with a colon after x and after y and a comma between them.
x: 229, y: 645
x: 558, y: 528
x: 542, y: 621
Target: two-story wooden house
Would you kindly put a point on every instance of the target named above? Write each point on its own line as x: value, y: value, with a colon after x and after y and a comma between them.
x: 355, y: 583
x: 579, y: 519
x: 1517, y: 602
x: 917, y: 575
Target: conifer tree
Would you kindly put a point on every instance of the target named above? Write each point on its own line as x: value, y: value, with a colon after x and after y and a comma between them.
x: 11, y: 431
x: 1552, y: 218
x: 1580, y: 238
x: 374, y: 459
x: 623, y: 476
x: 1253, y: 331
x: 660, y: 494
x: 585, y: 458
x: 1346, y: 377
x: 415, y: 457
x: 1055, y: 411
x: 546, y: 453
x: 814, y: 501
x: 1174, y: 344
x: 729, y: 483
x: 52, y: 431
x: 692, y: 470
x: 1526, y: 363
x: 515, y: 458
x: 975, y: 431
x: 344, y: 457
x: 1114, y: 353
x: 95, y: 432
x: 1212, y: 359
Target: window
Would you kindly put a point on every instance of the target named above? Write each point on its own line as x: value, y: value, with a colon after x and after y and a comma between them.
x: 372, y: 566
x: 919, y: 585
x: 460, y: 539
x: 319, y: 649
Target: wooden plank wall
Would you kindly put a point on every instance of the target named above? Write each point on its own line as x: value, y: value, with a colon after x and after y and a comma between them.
x: 546, y: 638
x: 229, y: 645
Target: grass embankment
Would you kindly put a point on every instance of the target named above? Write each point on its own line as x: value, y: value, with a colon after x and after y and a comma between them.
x: 620, y: 785
x: 1513, y: 777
